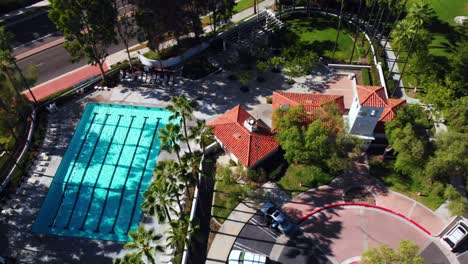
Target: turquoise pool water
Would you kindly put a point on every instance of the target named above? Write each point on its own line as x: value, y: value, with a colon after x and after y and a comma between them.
x: 98, y: 188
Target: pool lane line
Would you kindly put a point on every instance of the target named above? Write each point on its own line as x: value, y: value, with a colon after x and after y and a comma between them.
x: 126, y: 179
x: 77, y: 197
x: 99, y: 174
x: 113, y: 174
x: 123, y: 187
x: 52, y: 223
x: 142, y: 176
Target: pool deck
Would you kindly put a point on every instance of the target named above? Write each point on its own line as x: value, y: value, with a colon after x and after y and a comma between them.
x: 215, y: 94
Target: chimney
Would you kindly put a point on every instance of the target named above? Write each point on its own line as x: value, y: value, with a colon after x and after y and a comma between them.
x: 250, y: 124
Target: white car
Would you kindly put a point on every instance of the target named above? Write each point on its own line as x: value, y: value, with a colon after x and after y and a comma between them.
x: 455, y: 236
x: 243, y: 257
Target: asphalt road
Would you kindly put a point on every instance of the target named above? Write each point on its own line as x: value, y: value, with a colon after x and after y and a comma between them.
x: 56, y: 61
x: 259, y: 238
x: 32, y: 29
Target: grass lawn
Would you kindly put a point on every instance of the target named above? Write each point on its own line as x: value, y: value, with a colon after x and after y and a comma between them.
x: 300, y: 178
x: 405, y: 185
x: 320, y: 33
x: 243, y: 5
x: 442, y: 29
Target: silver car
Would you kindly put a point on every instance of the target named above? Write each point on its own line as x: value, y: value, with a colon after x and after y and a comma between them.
x: 455, y: 236
x: 276, y: 218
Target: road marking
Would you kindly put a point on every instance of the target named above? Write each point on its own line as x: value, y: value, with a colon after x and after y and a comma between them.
x: 264, y: 229
x: 412, y: 209
x: 278, y: 247
x: 246, y: 248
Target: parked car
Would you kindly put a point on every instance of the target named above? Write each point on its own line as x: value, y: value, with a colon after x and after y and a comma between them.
x: 456, y: 235
x: 244, y: 257
x: 276, y: 218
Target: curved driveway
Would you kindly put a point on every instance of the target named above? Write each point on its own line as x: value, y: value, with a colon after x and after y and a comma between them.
x: 345, y: 232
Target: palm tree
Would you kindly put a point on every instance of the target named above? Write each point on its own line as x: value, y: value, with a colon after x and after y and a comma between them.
x: 180, y: 231
x: 7, y: 60
x: 380, y: 12
x: 130, y: 258
x: 169, y: 137
x: 173, y: 172
x: 192, y: 162
x: 202, y: 134
x: 401, y: 8
x: 182, y: 108
x: 339, y: 28
x: 356, y: 34
x: 144, y: 245
x: 401, y: 36
x: 125, y: 24
x: 159, y: 200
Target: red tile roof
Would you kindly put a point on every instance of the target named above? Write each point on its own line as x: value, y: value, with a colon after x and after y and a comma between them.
x: 374, y: 96
x: 389, y: 112
x: 312, y: 103
x: 248, y: 147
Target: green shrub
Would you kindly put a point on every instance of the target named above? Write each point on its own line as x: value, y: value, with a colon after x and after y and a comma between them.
x: 458, y: 207
x: 290, y: 81
x: 451, y: 193
x: 299, y: 178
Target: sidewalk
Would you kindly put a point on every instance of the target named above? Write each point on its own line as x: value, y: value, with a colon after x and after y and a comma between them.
x: 63, y: 82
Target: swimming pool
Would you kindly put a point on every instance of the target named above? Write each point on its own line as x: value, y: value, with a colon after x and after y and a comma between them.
x: 98, y: 187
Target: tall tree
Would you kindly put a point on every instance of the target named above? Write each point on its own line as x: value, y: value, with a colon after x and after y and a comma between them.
x: 8, y: 61
x: 173, y: 174
x: 170, y: 136
x: 419, y: 15
x: 220, y: 11
x: 143, y: 246
x: 408, y: 137
x: 125, y: 26
x: 180, y: 231
x: 182, y: 107
x: 400, y: 7
x: 202, y: 135
x: 150, y: 18
x: 339, y: 29
x: 159, y: 200
x: 356, y: 34
x: 88, y: 27
x: 401, y: 36
x: 192, y: 161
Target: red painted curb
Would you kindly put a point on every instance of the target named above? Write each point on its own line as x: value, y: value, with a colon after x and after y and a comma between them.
x: 364, y: 205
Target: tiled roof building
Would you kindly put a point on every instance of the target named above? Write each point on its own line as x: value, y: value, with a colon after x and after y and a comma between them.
x: 312, y: 103
x: 242, y: 136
